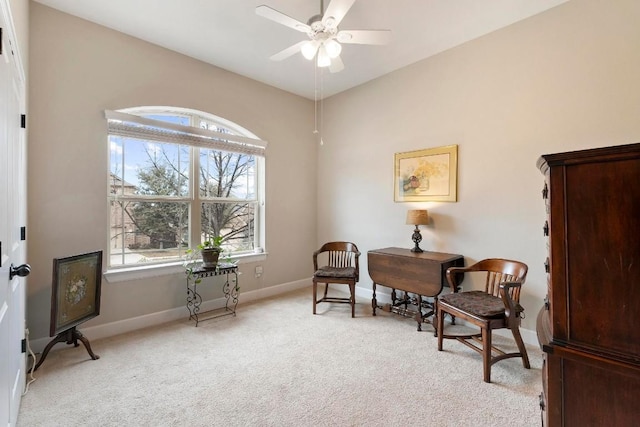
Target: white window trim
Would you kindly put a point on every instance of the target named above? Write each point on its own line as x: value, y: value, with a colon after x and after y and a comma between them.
x: 203, y: 138
x: 132, y: 126
x: 125, y: 274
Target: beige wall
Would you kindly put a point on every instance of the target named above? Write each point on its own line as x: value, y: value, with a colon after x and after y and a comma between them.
x: 563, y: 80
x: 79, y: 69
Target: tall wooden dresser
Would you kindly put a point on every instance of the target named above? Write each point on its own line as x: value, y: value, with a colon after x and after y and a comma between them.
x: 589, y: 327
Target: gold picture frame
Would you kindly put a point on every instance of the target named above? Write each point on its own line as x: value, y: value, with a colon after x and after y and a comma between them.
x: 429, y: 175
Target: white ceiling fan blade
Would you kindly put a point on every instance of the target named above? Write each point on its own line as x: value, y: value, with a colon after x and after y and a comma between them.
x: 279, y: 17
x: 336, y: 11
x: 378, y: 37
x: 290, y: 51
x: 336, y: 65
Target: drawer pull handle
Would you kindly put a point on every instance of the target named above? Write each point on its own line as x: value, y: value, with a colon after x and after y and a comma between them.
x: 546, y: 266
x: 546, y: 302
x: 545, y: 192
x: 545, y: 229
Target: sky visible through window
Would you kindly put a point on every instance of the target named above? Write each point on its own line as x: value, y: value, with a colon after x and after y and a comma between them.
x: 152, y: 191
x: 129, y: 156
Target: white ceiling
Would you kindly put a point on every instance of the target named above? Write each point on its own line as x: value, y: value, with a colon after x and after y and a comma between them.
x: 229, y: 34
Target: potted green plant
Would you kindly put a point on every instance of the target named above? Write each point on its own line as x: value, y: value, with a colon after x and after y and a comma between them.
x: 209, y: 251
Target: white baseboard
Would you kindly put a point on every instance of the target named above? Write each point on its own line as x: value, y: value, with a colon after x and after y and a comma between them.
x: 127, y: 325
x: 275, y: 290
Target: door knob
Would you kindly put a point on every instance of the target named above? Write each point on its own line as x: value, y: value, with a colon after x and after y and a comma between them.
x: 22, y: 270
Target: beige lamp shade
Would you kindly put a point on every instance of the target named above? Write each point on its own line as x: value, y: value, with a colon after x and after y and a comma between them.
x: 417, y: 217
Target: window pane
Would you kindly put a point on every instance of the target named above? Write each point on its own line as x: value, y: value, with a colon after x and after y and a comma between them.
x: 233, y: 221
x: 116, y: 178
x: 147, y: 232
x: 156, y: 188
x: 227, y: 175
x: 148, y: 168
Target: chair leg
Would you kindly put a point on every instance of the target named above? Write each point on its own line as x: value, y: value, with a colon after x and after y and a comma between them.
x: 326, y: 289
x: 486, y: 354
x: 440, y: 327
x: 434, y: 320
x: 315, y: 297
x: 352, y: 291
x: 521, y: 347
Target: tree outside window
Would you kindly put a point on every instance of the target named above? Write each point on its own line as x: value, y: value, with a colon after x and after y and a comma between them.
x: 166, y: 196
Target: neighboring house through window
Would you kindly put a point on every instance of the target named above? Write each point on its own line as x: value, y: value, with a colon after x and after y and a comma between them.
x: 178, y: 177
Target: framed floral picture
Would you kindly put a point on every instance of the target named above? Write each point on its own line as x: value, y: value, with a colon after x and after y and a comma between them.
x: 426, y: 175
x: 75, y: 295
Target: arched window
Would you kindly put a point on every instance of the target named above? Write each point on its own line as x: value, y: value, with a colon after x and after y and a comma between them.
x: 178, y: 177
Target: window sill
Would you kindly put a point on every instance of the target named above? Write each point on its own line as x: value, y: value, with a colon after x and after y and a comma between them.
x: 125, y: 274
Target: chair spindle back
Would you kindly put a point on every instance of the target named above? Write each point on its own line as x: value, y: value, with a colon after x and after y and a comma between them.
x: 500, y: 271
x: 495, y: 278
x: 340, y: 259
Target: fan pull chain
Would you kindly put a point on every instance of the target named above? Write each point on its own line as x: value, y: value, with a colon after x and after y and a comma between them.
x: 315, y: 100
x: 321, y: 111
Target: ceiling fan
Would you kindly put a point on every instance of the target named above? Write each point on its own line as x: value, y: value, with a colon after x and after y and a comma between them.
x: 325, y: 38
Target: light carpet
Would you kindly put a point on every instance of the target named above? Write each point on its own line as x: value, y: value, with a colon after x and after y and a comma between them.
x: 276, y: 364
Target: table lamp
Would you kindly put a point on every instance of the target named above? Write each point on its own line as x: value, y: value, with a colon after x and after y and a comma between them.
x: 417, y: 217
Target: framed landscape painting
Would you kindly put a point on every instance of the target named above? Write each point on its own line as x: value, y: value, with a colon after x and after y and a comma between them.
x: 426, y: 175
x: 75, y: 295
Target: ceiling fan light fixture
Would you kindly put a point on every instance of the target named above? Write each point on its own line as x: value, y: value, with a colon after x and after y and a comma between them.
x: 333, y: 48
x: 325, y: 38
x: 309, y: 49
x: 323, y: 57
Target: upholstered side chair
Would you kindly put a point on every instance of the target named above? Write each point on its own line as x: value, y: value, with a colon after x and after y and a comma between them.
x: 339, y: 265
x: 495, y: 307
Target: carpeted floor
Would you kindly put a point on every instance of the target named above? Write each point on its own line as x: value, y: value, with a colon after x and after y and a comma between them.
x: 275, y: 364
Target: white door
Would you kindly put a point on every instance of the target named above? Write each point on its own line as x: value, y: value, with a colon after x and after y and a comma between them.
x: 12, y: 221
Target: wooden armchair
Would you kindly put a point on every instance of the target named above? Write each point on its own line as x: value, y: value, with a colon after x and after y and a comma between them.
x: 342, y: 267
x: 496, y: 307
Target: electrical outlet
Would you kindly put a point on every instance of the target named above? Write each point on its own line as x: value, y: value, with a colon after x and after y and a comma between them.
x: 258, y: 271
